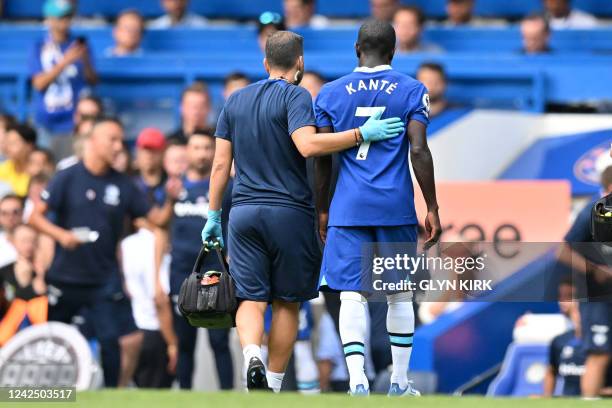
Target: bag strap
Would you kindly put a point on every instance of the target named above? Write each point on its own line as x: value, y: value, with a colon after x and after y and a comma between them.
x: 202, y: 256
x: 222, y: 260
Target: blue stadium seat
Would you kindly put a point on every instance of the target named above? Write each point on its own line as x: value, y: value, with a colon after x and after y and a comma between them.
x: 522, y: 371
x: 250, y: 9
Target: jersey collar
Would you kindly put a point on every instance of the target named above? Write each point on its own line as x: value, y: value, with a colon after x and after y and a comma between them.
x: 369, y: 70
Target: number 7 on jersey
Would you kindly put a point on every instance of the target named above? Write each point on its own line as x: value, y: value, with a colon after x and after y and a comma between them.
x: 366, y: 112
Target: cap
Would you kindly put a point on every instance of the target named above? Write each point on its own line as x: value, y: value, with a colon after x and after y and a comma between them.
x: 151, y: 138
x: 57, y: 8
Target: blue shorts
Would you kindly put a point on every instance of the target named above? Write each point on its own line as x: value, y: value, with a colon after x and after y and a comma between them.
x: 347, y: 257
x: 273, y: 253
x: 596, y: 322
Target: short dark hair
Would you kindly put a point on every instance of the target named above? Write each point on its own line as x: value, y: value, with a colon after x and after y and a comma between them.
x: 606, y: 177
x: 433, y: 66
x: 283, y: 48
x: 15, y: 197
x: 420, y: 16
x: 106, y: 119
x: 208, y: 132
x: 26, y: 132
x: 376, y: 37
x: 97, y: 101
x: 196, y: 87
x: 48, y: 153
x: 235, y: 76
x: 539, y: 17
x: 7, y: 120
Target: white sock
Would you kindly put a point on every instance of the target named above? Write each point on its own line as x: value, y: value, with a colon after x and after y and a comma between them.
x: 400, y: 325
x: 306, y: 372
x: 275, y: 380
x: 353, y: 327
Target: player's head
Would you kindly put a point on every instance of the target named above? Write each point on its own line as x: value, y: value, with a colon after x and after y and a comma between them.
x: 201, y: 151
x: 606, y: 180
x: 312, y: 82
x: 175, y: 158
x: 285, y: 55
x: 105, y: 141
x: 234, y: 82
x: 433, y: 76
x: 535, y: 31
x: 376, y: 41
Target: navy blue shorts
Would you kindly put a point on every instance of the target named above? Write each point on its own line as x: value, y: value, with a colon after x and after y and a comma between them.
x: 596, y: 322
x: 273, y: 253
x: 345, y: 267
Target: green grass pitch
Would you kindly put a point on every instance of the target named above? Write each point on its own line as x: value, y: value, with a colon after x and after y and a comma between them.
x: 183, y: 399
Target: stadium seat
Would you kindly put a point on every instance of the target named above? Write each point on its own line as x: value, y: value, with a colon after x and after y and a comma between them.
x: 522, y: 371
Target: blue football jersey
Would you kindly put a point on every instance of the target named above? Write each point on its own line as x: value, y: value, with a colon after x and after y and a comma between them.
x: 374, y: 185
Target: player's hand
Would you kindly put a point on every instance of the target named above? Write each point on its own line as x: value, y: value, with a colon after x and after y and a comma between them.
x: 68, y: 240
x: 172, y: 353
x: 323, y: 219
x: 376, y: 129
x: 433, y: 228
x: 212, y: 236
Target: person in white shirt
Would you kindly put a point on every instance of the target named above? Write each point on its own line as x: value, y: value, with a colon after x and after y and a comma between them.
x: 561, y: 16
x: 177, y: 16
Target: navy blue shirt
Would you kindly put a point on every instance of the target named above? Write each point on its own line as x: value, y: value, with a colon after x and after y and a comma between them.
x: 189, y: 216
x: 566, y: 357
x: 580, y: 239
x: 79, y: 198
x: 54, y: 106
x: 259, y: 121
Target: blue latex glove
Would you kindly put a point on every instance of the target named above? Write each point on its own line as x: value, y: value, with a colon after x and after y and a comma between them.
x: 376, y: 129
x: 212, y: 234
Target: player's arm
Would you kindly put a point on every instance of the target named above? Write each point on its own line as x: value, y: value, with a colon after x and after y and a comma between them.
x: 311, y: 144
x: 549, y: 382
x: 221, y: 168
x: 422, y: 164
x: 39, y: 222
x: 323, y: 175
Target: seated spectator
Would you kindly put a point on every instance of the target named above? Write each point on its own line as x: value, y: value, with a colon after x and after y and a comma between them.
x: 433, y: 76
x: 11, y: 215
x: 60, y: 69
x: 6, y: 121
x: 41, y: 162
x: 177, y: 16
x: 127, y: 35
x: 88, y: 108
x: 20, y: 142
x: 408, y: 22
x: 195, y: 108
x: 460, y: 12
x: 23, y: 286
x: 234, y: 82
x: 150, y: 179
x: 268, y: 24
x: 383, y: 9
x: 560, y: 14
x: 536, y: 35
x: 300, y: 14
x: 312, y: 82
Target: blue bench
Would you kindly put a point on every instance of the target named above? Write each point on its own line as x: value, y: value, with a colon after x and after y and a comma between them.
x: 241, y: 9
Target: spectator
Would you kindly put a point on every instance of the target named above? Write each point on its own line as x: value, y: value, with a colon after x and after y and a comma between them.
x: 234, y: 82
x: 6, y: 121
x: 408, y: 22
x: 88, y: 108
x: 312, y: 81
x: 23, y: 286
x: 175, y: 159
x: 268, y: 24
x: 20, y: 142
x: 81, y: 131
x: 383, y: 9
x: 301, y: 14
x: 432, y: 75
x: 150, y: 180
x: 123, y: 160
x: 41, y: 162
x: 177, y: 16
x: 590, y: 262
x: 127, y: 35
x: 536, y: 35
x: 60, y: 69
x: 195, y: 108
x: 561, y: 15
x: 11, y: 214
x: 460, y: 12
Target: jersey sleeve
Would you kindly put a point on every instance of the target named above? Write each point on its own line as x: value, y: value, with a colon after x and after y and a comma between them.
x: 299, y: 109
x: 53, y: 195
x: 419, y: 102
x: 321, y: 109
x: 138, y: 206
x: 223, y: 128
